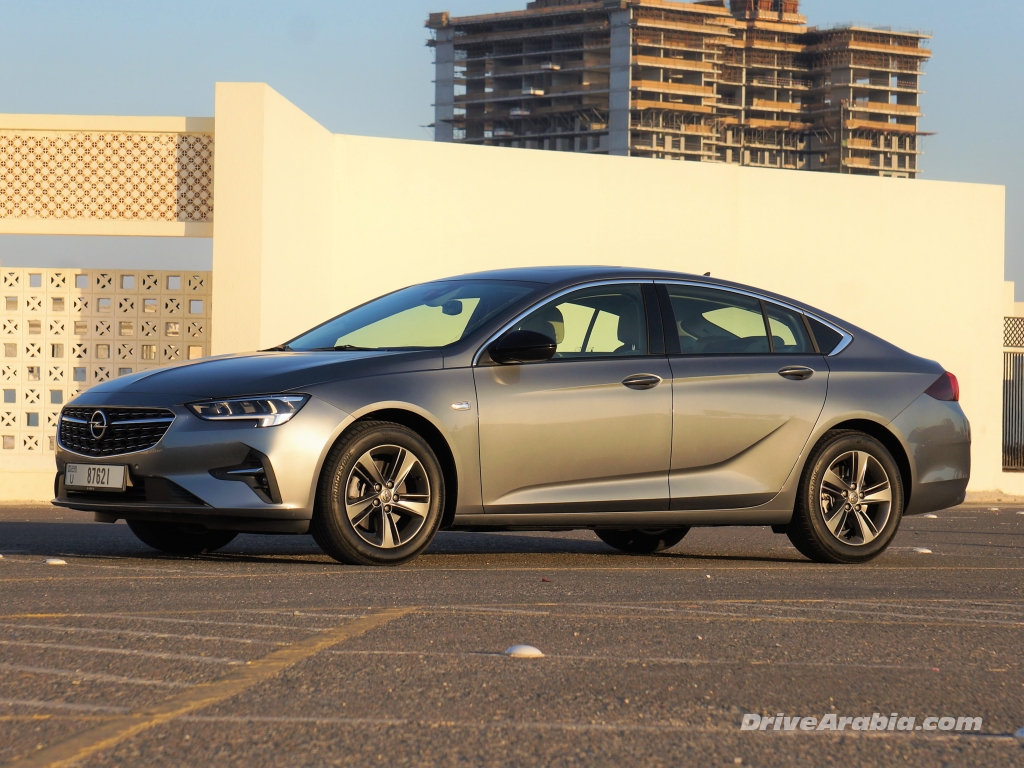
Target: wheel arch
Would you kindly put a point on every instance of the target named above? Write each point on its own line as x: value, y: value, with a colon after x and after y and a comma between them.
x: 892, y: 444
x: 426, y: 429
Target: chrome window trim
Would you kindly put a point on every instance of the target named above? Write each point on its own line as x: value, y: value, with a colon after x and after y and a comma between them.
x: 526, y: 313
x: 843, y: 344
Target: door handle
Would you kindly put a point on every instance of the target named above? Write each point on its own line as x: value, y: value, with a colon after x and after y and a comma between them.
x: 796, y: 373
x: 642, y: 381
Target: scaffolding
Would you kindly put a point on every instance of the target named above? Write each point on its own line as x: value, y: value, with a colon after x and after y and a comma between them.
x: 748, y: 83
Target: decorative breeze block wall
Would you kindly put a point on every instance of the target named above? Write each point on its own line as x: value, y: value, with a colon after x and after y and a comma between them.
x: 164, y: 177
x: 63, y: 331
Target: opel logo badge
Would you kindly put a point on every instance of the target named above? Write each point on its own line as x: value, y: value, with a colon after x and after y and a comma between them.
x: 98, y: 425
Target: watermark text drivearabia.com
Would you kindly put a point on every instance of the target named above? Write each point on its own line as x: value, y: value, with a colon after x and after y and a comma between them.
x: 876, y: 722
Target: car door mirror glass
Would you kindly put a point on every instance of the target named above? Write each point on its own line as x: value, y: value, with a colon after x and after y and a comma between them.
x: 523, y: 347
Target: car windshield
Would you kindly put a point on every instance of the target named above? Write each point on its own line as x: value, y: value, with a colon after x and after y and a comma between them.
x: 426, y: 316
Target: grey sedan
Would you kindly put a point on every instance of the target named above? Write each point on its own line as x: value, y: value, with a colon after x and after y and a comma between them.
x: 634, y: 403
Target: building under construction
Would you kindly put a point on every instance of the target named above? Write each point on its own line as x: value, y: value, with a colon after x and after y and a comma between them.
x: 748, y: 83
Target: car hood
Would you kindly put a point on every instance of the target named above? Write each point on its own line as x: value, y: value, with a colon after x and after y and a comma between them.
x: 263, y: 373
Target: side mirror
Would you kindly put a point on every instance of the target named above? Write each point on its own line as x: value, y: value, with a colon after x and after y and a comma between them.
x: 523, y: 347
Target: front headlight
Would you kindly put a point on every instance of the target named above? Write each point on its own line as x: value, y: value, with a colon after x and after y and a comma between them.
x: 265, y: 410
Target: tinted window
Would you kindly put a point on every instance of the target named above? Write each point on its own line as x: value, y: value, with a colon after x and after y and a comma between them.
x: 827, y: 338
x: 714, y: 322
x: 426, y: 316
x: 604, y: 321
x: 789, y: 336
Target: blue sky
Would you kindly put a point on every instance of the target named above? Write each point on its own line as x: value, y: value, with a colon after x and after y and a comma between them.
x: 363, y: 67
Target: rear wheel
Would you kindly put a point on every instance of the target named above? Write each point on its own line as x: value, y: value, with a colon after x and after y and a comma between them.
x: 179, y: 539
x: 640, y: 541
x: 381, y: 496
x: 850, y: 502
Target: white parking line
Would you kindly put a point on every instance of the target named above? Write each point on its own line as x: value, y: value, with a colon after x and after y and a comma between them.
x: 167, y: 620
x: 76, y: 747
x: 889, y: 614
x: 724, y: 728
x: 296, y: 720
x: 942, y: 605
x: 630, y: 607
x: 774, y: 611
x: 307, y: 614
x: 137, y: 633
x: 62, y: 705
x: 483, y: 609
x: 79, y: 675
x: 126, y: 652
x: 647, y: 660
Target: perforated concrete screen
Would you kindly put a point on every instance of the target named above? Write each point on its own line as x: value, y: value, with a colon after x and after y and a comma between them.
x: 119, y: 176
x: 63, y: 331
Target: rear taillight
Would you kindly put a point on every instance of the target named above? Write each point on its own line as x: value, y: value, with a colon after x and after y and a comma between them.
x: 947, y: 388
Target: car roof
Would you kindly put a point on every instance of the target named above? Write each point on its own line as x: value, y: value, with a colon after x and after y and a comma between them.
x: 555, y: 275
x: 565, y: 276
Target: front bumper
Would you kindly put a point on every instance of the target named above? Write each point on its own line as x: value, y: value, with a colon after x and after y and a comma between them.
x: 185, y: 477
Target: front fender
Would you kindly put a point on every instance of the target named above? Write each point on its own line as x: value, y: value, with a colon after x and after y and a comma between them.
x: 429, y: 395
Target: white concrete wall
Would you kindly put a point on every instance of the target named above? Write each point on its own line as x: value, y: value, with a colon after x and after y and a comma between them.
x: 309, y: 224
x: 275, y: 222
x: 917, y: 262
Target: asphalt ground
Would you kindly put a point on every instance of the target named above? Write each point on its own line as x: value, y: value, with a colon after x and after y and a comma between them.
x: 269, y: 653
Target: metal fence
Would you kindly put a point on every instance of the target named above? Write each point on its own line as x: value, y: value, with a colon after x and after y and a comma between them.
x: 1013, y: 332
x: 1013, y: 411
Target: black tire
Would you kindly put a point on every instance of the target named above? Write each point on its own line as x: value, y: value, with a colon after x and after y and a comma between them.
x: 344, y: 486
x: 179, y: 539
x: 642, y: 542
x: 809, y: 530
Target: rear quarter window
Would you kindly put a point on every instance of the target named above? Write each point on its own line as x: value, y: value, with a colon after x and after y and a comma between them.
x: 827, y: 338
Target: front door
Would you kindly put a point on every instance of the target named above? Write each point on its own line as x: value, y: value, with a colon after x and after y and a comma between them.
x: 589, y: 430
x: 745, y: 403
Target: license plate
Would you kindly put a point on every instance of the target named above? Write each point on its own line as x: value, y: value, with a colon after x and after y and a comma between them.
x: 95, y: 477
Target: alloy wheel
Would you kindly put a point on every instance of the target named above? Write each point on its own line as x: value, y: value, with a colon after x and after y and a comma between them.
x: 856, y: 498
x: 387, y: 496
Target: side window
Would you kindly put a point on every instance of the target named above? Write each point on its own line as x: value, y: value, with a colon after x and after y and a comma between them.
x: 827, y: 338
x: 789, y: 334
x: 606, y: 321
x: 713, y: 322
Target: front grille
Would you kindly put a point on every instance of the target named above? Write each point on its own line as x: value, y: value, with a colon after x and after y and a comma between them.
x: 128, y: 430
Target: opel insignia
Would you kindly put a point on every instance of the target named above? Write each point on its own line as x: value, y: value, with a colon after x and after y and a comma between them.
x: 634, y: 403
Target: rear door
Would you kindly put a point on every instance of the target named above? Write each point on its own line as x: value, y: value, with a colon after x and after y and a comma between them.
x: 744, y: 402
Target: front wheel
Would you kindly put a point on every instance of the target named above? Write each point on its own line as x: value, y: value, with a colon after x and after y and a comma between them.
x: 850, y: 502
x: 381, y: 496
x: 642, y: 542
x: 179, y: 539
